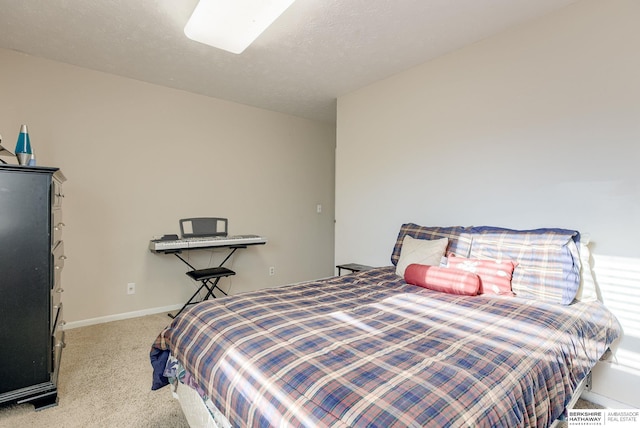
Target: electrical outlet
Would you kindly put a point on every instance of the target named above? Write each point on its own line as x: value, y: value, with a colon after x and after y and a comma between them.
x: 131, y: 288
x: 272, y: 271
x: 319, y: 208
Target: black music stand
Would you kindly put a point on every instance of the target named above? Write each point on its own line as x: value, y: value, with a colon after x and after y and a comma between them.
x: 199, y: 227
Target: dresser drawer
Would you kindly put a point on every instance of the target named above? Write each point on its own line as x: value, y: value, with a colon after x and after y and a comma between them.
x: 56, y: 224
x: 58, y: 326
x: 56, y: 305
x: 58, y: 263
x: 56, y: 194
x: 57, y: 343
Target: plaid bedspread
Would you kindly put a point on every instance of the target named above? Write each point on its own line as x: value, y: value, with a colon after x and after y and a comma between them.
x: 368, y: 350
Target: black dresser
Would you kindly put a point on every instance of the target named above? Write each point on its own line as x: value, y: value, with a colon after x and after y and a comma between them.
x: 31, y: 261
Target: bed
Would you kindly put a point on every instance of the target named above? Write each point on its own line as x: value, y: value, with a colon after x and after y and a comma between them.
x: 405, y: 345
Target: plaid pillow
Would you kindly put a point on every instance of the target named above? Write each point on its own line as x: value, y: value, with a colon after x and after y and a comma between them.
x: 459, y: 241
x: 547, y: 260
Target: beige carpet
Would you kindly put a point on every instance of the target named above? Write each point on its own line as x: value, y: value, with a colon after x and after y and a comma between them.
x: 105, y: 381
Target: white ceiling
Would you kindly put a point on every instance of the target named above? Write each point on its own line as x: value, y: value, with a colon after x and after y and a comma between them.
x: 317, y: 51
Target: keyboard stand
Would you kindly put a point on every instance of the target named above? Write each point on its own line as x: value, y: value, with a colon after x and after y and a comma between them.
x: 205, y: 276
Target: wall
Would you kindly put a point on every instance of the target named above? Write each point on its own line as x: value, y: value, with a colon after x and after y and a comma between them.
x: 538, y: 126
x: 138, y: 157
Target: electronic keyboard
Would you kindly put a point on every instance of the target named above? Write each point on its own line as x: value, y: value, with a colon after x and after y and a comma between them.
x: 172, y: 245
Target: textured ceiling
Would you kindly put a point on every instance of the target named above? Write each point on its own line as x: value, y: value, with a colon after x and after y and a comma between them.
x: 317, y: 51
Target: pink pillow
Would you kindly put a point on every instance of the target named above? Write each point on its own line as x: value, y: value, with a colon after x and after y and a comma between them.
x: 446, y: 280
x: 495, y: 275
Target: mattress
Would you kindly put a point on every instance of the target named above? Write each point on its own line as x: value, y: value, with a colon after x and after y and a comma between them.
x: 195, y: 408
x: 370, y: 350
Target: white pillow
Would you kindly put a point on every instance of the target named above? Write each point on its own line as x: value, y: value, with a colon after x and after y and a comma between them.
x: 420, y: 251
x: 588, y: 291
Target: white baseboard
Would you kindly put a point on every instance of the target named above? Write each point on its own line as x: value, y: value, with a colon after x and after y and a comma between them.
x: 606, y: 402
x: 118, y: 317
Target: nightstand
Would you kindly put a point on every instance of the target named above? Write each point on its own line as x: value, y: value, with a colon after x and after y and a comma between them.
x: 353, y: 267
